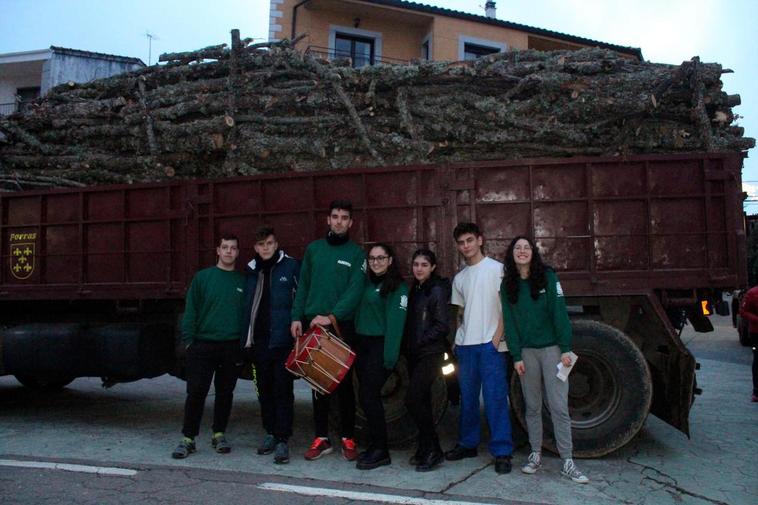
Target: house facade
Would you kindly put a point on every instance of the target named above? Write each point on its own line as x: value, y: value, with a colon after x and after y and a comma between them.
x: 27, y: 75
x: 397, y: 31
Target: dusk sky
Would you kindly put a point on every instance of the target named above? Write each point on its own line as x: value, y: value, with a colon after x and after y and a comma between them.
x: 722, y: 31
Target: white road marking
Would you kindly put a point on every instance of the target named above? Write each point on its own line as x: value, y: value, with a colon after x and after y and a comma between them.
x: 357, y: 495
x: 100, y: 470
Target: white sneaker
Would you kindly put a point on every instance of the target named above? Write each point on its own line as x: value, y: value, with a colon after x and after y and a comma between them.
x: 533, y: 463
x: 572, y: 472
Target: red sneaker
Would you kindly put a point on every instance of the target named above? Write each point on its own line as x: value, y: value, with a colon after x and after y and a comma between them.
x: 318, y: 448
x: 349, y: 451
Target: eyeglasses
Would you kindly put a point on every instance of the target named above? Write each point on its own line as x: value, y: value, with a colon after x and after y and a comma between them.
x: 378, y: 259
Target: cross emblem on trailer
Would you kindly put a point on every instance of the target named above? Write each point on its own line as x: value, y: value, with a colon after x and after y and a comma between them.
x: 22, y: 260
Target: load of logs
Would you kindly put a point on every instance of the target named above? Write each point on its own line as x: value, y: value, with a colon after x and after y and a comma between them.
x: 258, y: 108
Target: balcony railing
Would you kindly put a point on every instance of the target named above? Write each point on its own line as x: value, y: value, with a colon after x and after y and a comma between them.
x: 19, y: 106
x: 7, y: 108
x: 333, y: 54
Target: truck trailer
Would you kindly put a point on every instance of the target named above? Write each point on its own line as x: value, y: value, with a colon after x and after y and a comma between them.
x: 93, y: 279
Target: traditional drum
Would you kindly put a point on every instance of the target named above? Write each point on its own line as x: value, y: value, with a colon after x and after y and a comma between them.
x: 321, y: 359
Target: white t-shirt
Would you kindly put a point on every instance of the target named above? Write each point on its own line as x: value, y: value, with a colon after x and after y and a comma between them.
x: 476, y: 288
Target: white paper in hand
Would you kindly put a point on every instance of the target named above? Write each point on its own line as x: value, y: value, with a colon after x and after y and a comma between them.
x: 564, y: 371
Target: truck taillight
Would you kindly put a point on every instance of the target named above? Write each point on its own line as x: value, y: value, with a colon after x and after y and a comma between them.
x: 706, y: 307
x: 448, y: 367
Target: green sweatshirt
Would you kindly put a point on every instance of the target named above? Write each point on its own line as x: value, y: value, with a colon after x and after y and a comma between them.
x: 377, y: 316
x: 331, y: 281
x: 536, y: 323
x: 214, y: 306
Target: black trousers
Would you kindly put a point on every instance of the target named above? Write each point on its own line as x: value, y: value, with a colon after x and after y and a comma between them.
x: 422, y: 372
x: 344, y: 395
x: 219, y: 362
x: 274, y: 384
x: 369, y: 368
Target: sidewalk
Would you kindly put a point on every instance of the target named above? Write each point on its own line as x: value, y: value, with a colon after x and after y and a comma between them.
x: 138, y: 425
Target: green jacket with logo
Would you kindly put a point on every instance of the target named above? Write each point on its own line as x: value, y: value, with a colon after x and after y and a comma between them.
x: 536, y: 323
x: 380, y: 316
x: 331, y: 281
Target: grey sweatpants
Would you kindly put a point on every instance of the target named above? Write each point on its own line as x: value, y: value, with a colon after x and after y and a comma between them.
x: 541, y: 368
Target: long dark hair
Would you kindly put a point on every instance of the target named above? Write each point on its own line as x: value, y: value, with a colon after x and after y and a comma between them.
x: 392, y: 278
x: 537, y: 279
x: 431, y: 258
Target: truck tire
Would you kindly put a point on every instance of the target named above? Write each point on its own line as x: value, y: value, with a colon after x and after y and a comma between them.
x: 401, y: 430
x: 126, y: 352
x: 43, y: 353
x: 44, y: 383
x: 609, y: 395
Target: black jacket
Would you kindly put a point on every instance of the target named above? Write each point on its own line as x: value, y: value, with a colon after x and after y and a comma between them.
x: 428, y: 322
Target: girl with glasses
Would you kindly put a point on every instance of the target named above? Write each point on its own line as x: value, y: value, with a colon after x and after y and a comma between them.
x: 379, y: 322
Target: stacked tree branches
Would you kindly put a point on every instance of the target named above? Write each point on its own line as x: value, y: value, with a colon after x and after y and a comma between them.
x: 265, y: 108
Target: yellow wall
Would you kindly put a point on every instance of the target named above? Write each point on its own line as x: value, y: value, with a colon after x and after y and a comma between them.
x: 398, y: 41
x: 402, y: 30
x: 448, y: 30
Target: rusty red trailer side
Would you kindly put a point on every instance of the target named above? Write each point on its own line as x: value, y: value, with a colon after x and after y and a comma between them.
x: 610, y: 226
x: 635, y: 241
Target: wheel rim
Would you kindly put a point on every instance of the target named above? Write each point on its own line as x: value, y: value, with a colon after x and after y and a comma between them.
x: 594, y: 394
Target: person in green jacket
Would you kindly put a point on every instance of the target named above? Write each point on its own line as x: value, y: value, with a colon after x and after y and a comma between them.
x: 330, y: 287
x: 538, y: 333
x: 379, y: 324
x: 210, y: 332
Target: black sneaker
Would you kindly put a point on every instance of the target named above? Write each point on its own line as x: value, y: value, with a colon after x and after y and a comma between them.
x: 281, y: 453
x: 219, y: 443
x: 460, y: 452
x: 374, y: 459
x: 267, y: 445
x: 431, y: 461
x: 184, y: 449
x: 503, y: 464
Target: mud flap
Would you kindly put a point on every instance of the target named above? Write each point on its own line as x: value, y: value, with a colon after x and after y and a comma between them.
x: 672, y: 367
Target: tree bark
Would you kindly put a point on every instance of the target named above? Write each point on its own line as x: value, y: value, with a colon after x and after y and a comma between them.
x: 267, y: 108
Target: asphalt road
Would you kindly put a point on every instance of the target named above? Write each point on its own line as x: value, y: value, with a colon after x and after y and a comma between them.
x: 131, y: 429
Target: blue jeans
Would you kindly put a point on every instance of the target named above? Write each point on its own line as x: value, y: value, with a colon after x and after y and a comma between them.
x: 482, y: 369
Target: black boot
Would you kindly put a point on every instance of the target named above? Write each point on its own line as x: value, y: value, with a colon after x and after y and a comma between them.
x: 430, y: 461
x: 459, y: 452
x: 373, y: 459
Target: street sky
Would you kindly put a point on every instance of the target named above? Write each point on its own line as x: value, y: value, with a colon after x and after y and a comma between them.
x: 720, y: 31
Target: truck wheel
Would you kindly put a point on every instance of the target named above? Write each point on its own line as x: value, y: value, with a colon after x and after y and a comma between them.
x: 44, y: 383
x: 401, y: 430
x: 609, y: 394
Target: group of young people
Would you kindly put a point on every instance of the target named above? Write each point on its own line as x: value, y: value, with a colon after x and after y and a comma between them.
x: 362, y: 297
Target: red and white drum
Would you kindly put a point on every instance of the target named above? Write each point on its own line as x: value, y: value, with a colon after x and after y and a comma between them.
x: 321, y: 359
